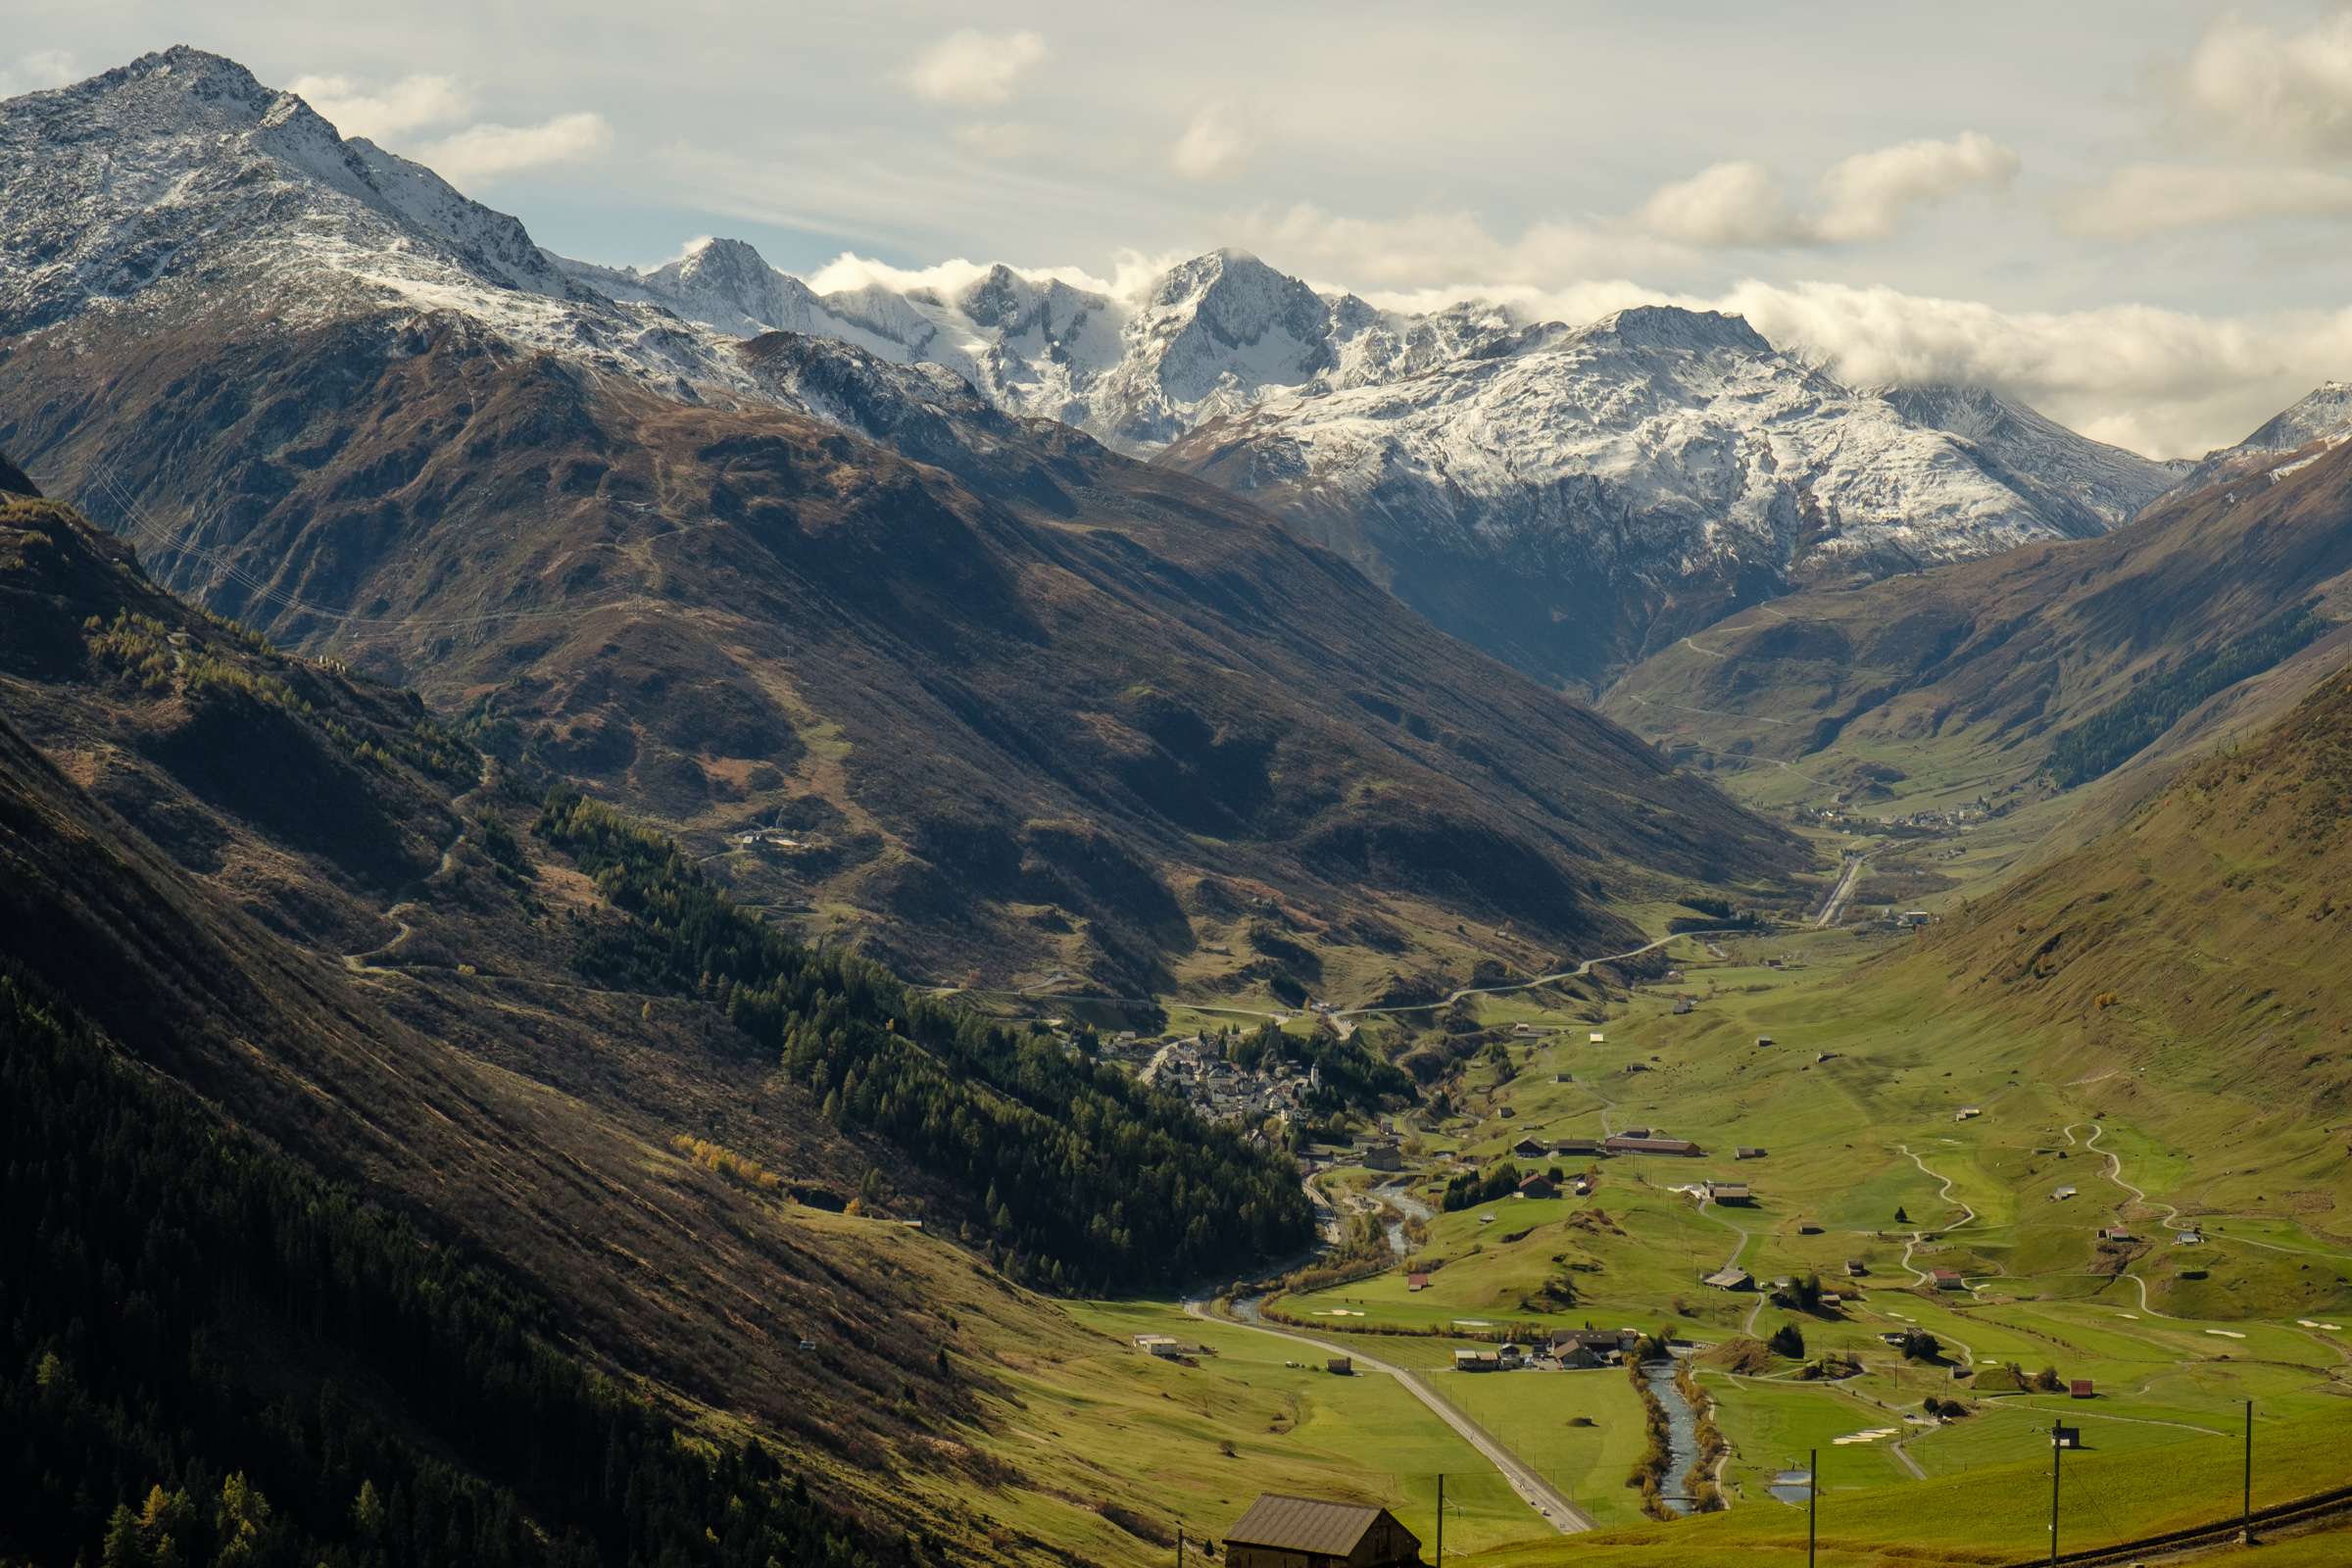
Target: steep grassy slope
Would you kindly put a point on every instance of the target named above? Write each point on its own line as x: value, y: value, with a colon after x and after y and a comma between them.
x: 298, y: 907
x: 2197, y: 942
x: 2065, y: 659
x: 1054, y: 711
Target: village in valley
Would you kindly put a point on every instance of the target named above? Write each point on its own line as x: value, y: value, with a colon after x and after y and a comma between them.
x: 1662, y: 1239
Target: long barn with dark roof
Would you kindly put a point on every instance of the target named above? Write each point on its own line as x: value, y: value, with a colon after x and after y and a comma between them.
x: 1280, y: 1532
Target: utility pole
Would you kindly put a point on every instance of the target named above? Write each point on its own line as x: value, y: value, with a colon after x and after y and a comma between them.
x: 1440, y: 1562
x: 2245, y: 1524
x: 1812, y: 1502
x: 1180, y: 1546
x: 2055, y: 1452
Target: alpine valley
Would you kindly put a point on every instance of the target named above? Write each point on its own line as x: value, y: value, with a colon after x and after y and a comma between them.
x: 655, y: 916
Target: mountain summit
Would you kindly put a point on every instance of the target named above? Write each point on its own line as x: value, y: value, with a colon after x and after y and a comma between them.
x: 1562, y: 496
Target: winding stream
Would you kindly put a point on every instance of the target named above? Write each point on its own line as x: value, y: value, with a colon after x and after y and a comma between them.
x: 1681, y: 1436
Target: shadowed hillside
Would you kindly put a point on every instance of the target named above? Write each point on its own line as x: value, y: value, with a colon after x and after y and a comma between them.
x: 1051, y: 710
x: 246, y: 890
x: 2061, y: 659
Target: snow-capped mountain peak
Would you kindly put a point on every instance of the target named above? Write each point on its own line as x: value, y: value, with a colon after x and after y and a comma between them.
x: 179, y: 188
x: 2325, y: 411
x: 1672, y: 327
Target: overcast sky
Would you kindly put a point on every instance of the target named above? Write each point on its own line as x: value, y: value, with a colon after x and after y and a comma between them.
x: 2134, y: 214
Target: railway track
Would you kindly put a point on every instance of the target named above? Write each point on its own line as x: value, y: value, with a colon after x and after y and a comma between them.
x: 2278, y: 1516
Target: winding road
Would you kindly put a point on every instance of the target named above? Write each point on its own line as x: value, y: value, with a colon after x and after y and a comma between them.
x: 1548, y: 1501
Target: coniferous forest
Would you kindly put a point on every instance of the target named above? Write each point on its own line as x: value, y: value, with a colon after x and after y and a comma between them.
x: 215, y: 1356
x: 1078, y: 1176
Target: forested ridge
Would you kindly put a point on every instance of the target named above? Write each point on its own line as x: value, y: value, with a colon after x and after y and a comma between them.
x: 2113, y: 736
x: 1078, y: 1176
x: 216, y: 1356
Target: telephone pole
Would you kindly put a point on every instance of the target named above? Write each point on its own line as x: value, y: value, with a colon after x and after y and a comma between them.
x: 1812, y: 1502
x: 2055, y: 1452
x: 2245, y: 1518
x: 1180, y: 1546
x: 1440, y: 1562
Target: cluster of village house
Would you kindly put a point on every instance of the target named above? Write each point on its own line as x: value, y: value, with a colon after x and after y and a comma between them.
x: 1218, y: 1088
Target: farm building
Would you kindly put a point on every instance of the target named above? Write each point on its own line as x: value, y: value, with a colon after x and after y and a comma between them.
x: 1596, y: 1038
x: 2062, y: 1195
x: 2066, y: 1437
x: 1949, y: 1280
x: 1764, y: 1040
x: 2116, y: 1233
x: 1593, y: 1347
x: 1383, y: 1156
x: 1582, y: 1186
x: 2081, y: 1389
x: 1477, y: 1362
x: 1573, y: 1146
x: 1744, y: 1151
x: 1855, y: 1268
x: 1416, y: 1282
x: 1626, y: 1144
x: 1528, y: 1148
x: 1968, y: 1113
x: 1731, y: 1279
x: 1280, y: 1532
x: 1682, y: 1004
x: 1539, y: 1186
x: 1730, y: 1192
x: 1345, y: 1366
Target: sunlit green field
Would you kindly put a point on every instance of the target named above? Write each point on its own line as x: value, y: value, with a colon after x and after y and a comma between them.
x: 1867, y: 1157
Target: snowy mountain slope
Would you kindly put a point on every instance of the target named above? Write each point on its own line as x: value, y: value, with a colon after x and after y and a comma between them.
x: 2035, y: 449
x: 1209, y: 338
x: 2321, y: 415
x: 1570, y: 503
x: 2324, y: 413
x: 1515, y: 480
x: 1488, y: 469
x: 177, y: 189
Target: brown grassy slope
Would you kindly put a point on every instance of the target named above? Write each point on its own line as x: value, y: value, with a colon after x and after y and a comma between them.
x: 1039, y: 712
x: 1980, y: 665
x: 514, y: 1111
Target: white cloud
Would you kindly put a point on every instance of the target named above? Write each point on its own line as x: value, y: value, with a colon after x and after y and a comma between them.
x: 850, y: 270
x: 1216, y: 145
x: 2281, y: 93
x: 482, y: 153
x: 971, y: 66
x: 2144, y: 199
x: 1730, y: 204
x: 2165, y: 383
x: 1866, y: 196
x: 408, y: 104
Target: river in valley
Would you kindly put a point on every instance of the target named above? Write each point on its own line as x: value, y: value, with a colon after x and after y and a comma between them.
x: 1681, y: 1435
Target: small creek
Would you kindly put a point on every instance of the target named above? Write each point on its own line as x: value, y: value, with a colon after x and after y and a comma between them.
x: 1681, y: 1435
